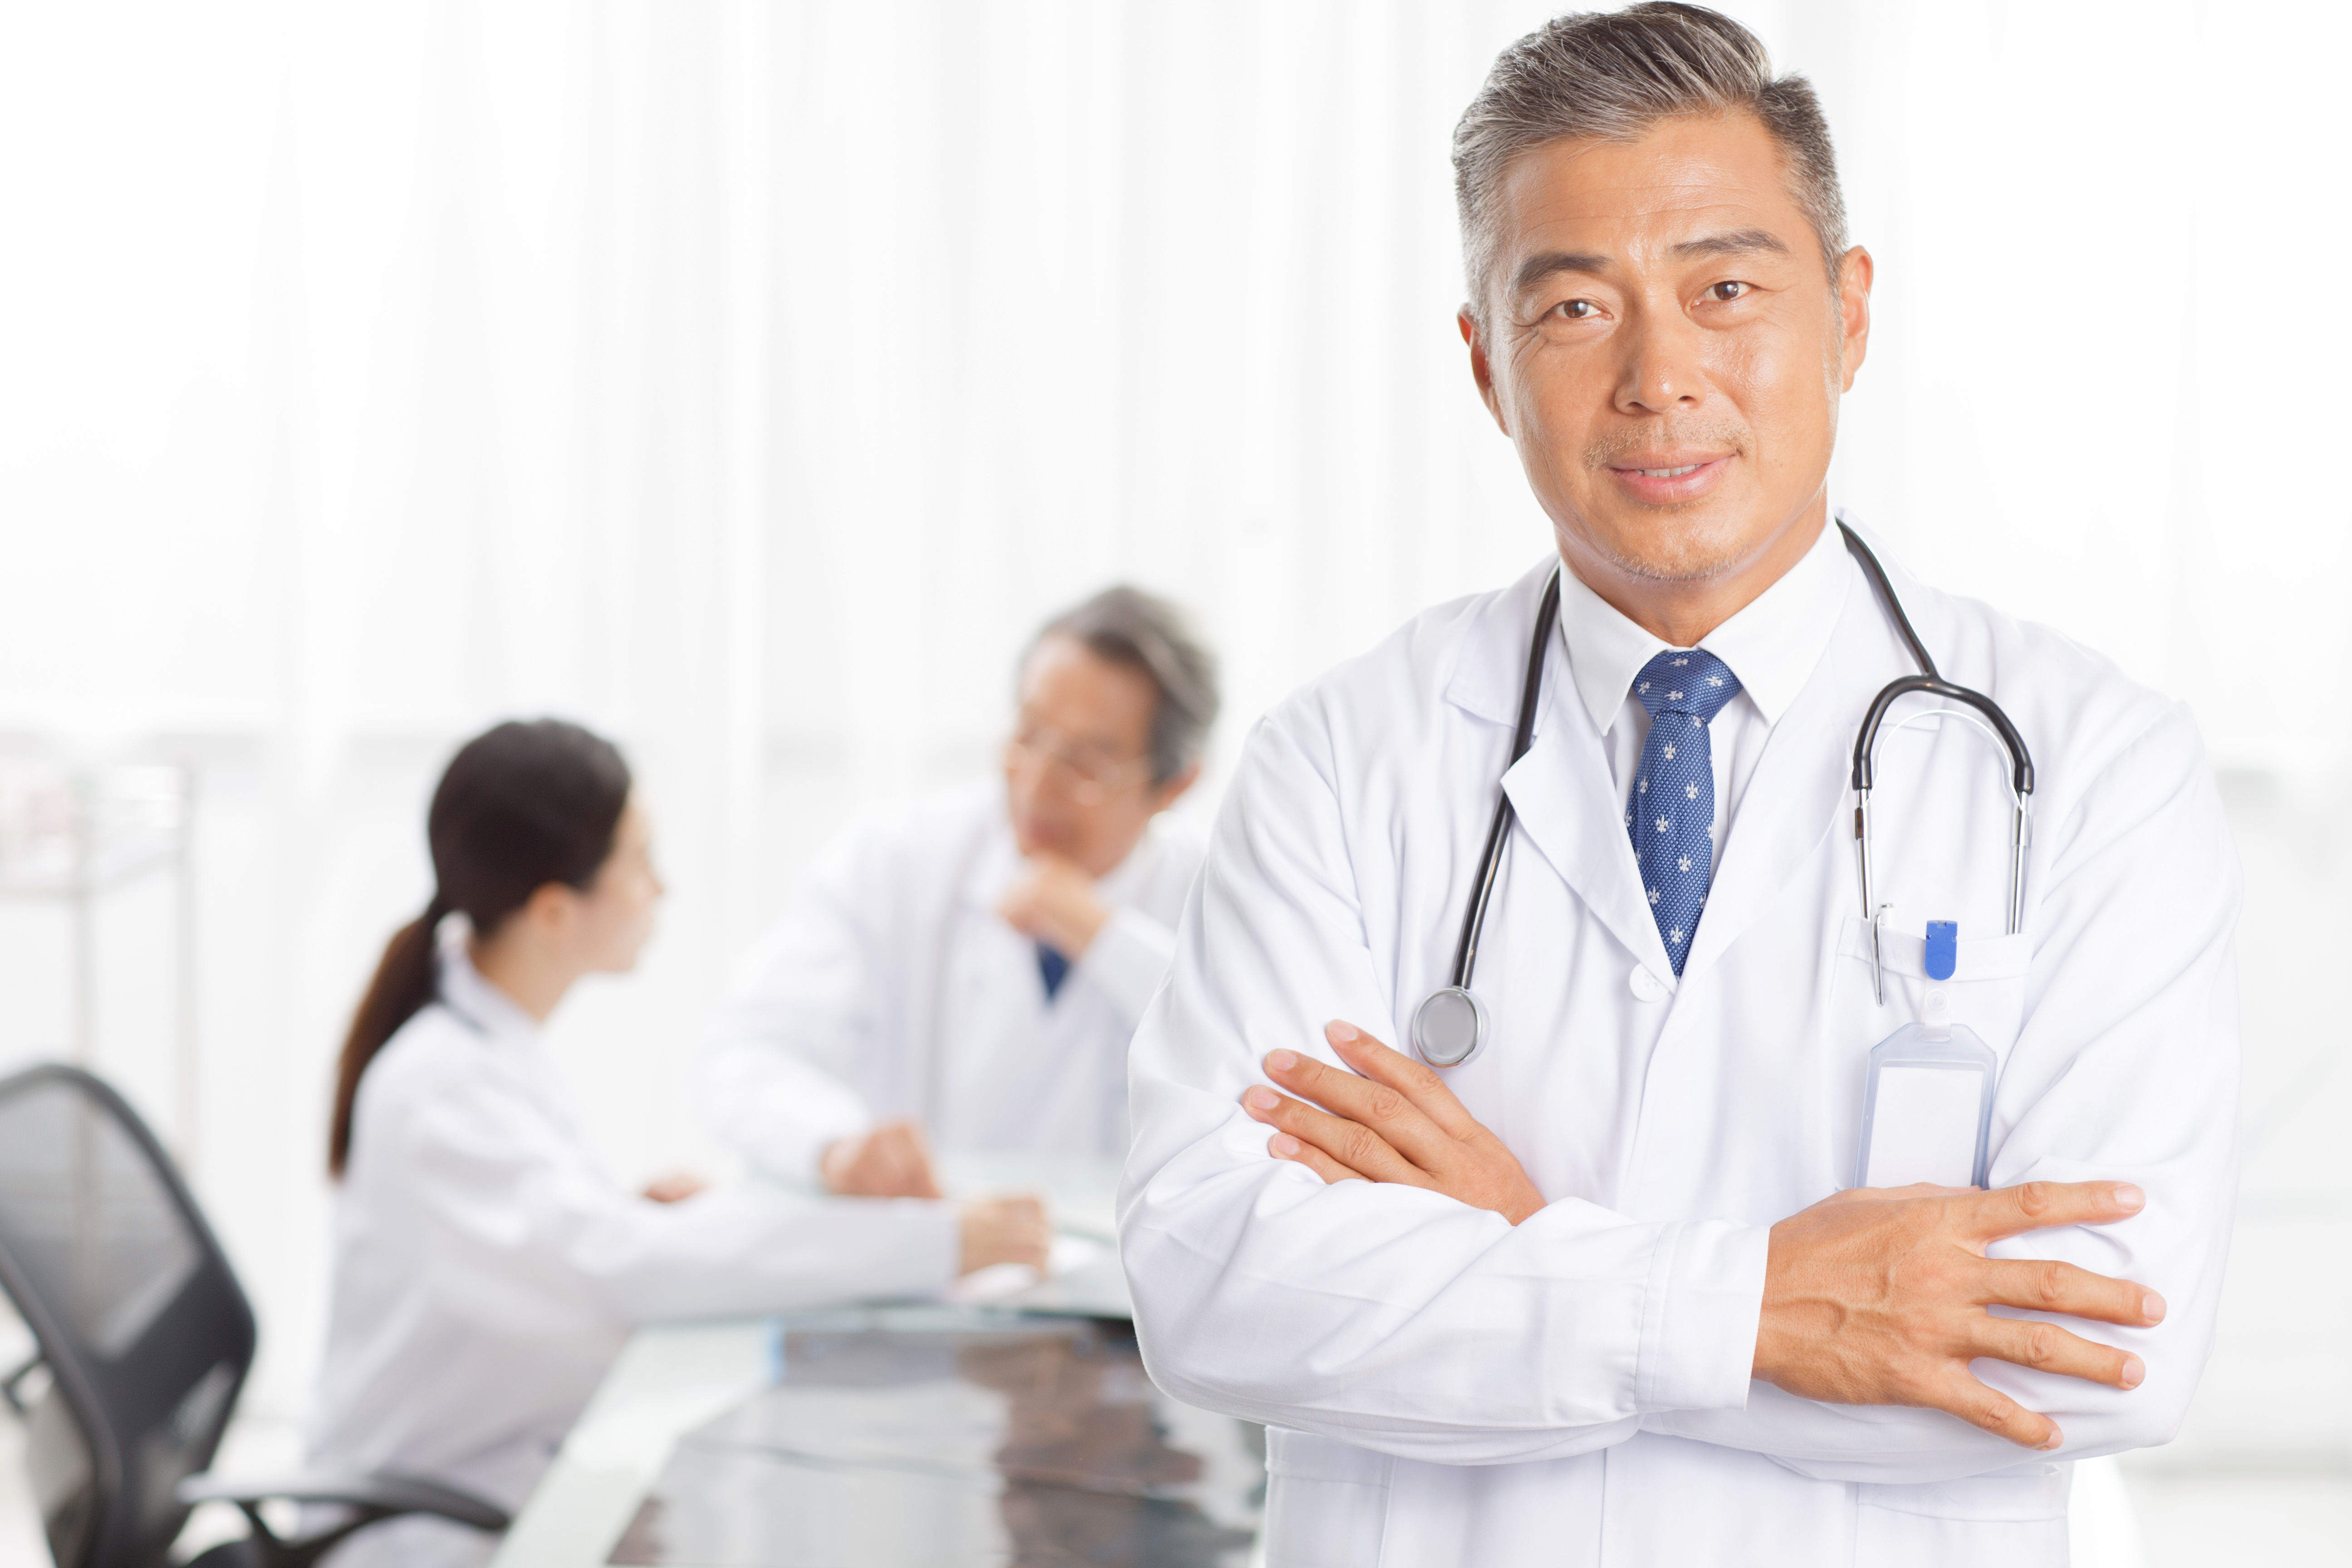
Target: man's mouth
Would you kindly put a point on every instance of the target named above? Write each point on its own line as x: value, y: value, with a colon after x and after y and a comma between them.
x: 1669, y: 477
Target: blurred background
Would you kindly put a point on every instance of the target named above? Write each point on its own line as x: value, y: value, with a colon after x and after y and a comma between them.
x: 746, y: 381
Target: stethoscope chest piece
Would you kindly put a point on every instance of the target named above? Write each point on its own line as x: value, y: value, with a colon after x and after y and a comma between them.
x: 1449, y: 1027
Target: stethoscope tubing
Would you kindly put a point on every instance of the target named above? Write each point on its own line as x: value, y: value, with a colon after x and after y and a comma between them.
x: 1474, y: 919
x: 1929, y: 682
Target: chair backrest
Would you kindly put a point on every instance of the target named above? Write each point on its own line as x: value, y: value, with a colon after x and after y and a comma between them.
x: 143, y: 1328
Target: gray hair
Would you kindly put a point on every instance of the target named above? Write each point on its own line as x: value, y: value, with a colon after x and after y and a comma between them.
x: 1143, y: 632
x: 1611, y: 76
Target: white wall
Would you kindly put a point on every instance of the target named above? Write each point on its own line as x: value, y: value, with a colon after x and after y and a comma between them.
x: 746, y: 380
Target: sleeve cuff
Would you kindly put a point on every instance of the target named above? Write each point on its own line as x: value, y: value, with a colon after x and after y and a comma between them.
x: 788, y: 1143
x: 934, y: 1252
x: 780, y: 1112
x: 799, y: 1155
x: 1128, y: 960
x: 1704, y: 1298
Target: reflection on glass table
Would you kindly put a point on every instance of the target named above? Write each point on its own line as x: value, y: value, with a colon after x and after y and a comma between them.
x: 952, y: 1437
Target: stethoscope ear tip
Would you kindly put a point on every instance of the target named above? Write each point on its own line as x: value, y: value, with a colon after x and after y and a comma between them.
x: 1449, y: 1027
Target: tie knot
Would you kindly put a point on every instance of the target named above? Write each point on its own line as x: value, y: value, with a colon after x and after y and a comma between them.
x: 1695, y: 682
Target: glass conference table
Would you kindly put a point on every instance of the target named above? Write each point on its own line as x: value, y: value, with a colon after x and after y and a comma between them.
x: 1017, y: 1428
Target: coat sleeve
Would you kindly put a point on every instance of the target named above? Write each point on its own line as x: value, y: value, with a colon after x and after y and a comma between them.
x: 1396, y: 1319
x: 2125, y: 1069
x: 781, y: 1051
x: 525, y: 1230
x: 1128, y: 960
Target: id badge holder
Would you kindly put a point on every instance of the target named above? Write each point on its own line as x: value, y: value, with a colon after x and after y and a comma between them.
x: 1927, y: 1105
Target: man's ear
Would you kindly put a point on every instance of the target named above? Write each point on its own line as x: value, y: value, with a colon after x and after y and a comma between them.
x: 1481, y: 371
x: 1856, y: 273
x: 1167, y: 794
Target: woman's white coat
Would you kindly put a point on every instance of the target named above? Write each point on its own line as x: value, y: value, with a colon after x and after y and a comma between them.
x: 487, y: 1272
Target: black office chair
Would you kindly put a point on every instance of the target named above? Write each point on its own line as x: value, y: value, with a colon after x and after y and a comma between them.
x: 144, y: 1338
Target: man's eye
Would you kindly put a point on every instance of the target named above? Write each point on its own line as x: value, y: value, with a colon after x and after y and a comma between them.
x: 1576, y: 309
x: 1727, y: 292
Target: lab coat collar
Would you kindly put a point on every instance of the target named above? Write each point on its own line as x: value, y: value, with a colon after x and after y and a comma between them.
x: 1565, y: 802
x: 1771, y: 645
x: 1490, y: 659
x: 481, y: 1005
x: 1561, y: 790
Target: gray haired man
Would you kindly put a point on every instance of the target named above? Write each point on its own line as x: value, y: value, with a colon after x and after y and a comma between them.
x: 965, y: 970
x: 1634, y: 1279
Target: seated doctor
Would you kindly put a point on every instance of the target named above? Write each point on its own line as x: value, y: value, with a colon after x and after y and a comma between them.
x: 1684, y: 1257
x: 966, y: 971
x: 485, y: 1273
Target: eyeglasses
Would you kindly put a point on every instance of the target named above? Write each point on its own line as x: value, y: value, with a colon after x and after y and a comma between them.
x: 1078, y: 770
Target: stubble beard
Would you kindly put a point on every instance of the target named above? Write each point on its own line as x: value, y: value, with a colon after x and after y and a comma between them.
x: 1705, y: 548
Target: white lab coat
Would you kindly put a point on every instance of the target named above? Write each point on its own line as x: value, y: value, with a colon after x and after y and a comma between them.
x: 894, y: 988
x: 1445, y: 1388
x: 486, y: 1273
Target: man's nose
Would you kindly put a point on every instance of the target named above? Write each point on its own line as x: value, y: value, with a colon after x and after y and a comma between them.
x: 1660, y: 372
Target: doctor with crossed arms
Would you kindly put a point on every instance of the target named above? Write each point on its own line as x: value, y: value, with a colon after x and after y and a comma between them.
x: 1608, y: 1291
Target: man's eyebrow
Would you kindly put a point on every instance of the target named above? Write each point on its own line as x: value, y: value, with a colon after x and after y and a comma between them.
x: 1734, y: 242
x: 1537, y: 267
x: 1737, y: 242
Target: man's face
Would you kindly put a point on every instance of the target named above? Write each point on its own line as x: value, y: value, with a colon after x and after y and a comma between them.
x: 1664, y: 349
x: 1077, y: 773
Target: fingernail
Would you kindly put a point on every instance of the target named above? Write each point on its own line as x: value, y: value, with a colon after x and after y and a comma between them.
x: 1339, y: 1033
x: 1281, y: 1061
x: 2129, y: 1198
x: 1284, y: 1144
x: 2151, y: 1306
x: 1261, y: 1099
x: 2057, y: 1439
x: 2134, y: 1370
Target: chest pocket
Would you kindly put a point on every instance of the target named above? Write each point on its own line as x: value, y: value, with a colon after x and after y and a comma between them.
x: 1987, y: 989
x: 1986, y: 993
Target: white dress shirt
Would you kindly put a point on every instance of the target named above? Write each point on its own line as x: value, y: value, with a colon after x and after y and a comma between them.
x: 1773, y: 646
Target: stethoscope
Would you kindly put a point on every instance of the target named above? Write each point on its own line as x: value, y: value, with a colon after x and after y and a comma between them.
x: 1451, y: 1024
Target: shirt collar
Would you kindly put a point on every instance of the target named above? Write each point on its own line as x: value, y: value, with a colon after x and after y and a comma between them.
x: 1772, y: 644
x: 465, y: 992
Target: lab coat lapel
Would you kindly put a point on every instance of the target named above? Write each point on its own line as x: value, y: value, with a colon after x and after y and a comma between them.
x: 1565, y: 802
x: 1797, y: 795
x: 1561, y: 790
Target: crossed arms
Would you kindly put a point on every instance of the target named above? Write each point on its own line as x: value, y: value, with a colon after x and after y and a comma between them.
x: 1440, y: 1309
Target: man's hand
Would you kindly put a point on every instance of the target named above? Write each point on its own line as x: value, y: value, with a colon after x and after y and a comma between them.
x: 1004, y: 1230
x: 1056, y: 903
x: 675, y: 1187
x: 1877, y: 1297
x: 891, y: 1161
x: 1398, y: 1122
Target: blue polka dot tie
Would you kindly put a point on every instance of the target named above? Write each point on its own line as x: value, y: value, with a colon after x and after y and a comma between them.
x: 1670, y: 811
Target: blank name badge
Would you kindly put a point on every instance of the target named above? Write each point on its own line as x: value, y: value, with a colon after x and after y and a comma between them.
x: 1926, y: 1108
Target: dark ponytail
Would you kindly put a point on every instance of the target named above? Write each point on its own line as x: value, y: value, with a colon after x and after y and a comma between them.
x: 520, y: 807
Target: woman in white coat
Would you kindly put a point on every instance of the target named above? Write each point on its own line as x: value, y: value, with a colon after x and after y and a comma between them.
x: 485, y: 1272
